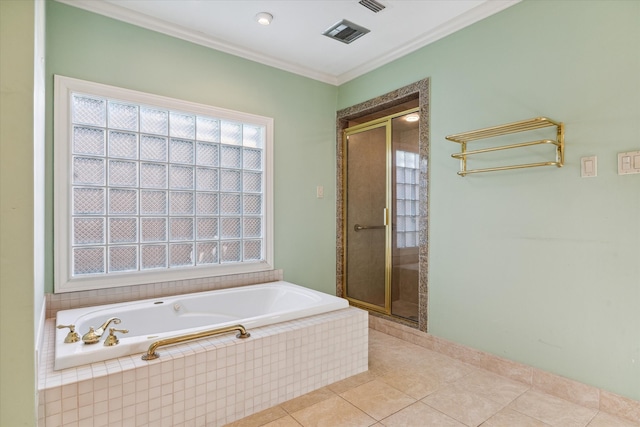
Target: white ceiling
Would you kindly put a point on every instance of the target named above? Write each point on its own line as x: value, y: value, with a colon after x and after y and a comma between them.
x: 294, y: 40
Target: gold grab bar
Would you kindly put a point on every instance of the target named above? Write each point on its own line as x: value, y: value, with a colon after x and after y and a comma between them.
x: 494, y: 131
x: 152, y: 354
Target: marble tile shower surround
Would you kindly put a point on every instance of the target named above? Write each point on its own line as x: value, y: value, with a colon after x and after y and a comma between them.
x: 420, y: 89
x: 208, y: 382
x: 65, y: 301
x: 537, y: 380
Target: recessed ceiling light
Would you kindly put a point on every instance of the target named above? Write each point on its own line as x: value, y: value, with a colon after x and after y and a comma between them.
x: 412, y: 118
x: 264, y: 18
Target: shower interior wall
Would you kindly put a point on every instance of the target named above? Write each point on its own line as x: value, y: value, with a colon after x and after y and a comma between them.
x: 404, y: 277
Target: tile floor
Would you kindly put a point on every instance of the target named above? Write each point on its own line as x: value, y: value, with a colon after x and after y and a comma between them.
x: 408, y: 385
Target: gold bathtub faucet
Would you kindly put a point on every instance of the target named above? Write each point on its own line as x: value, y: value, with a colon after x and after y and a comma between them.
x: 72, y: 336
x: 93, y: 336
x: 112, y: 339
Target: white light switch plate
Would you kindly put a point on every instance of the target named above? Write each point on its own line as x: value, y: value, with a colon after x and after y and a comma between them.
x: 589, y: 166
x: 629, y: 162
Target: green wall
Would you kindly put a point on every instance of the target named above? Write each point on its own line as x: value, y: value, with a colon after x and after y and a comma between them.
x: 538, y: 265
x: 91, y: 47
x: 21, y: 296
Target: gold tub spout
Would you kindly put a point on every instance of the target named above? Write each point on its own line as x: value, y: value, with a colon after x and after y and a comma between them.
x: 93, y: 336
x: 152, y: 354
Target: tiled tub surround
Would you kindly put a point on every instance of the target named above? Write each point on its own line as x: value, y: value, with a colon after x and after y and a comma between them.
x: 208, y: 382
x: 155, y: 319
x: 537, y: 380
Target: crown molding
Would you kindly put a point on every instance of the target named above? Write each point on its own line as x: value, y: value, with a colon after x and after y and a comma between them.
x: 145, y: 21
x: 119, y: 13
x: 474, y: 15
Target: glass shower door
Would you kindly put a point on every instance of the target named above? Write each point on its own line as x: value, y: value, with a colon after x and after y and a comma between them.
x: 367, y: 274
x: 381, y: 190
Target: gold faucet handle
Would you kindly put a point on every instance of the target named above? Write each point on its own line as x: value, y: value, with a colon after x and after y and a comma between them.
x: 112, y: 339
x: 72, y: 336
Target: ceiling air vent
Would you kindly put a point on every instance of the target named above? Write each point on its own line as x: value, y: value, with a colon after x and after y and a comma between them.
x: 372, y: 5
x: 345, y: 31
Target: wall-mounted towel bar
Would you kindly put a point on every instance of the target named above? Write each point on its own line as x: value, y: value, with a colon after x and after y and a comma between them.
x: 521, y: 126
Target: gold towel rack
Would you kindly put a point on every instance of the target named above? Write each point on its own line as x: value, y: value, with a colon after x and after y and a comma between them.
x: 494, y: 131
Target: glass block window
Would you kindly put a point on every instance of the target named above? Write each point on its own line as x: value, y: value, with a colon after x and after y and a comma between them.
x: 153, y: 188
x: 407, y: 190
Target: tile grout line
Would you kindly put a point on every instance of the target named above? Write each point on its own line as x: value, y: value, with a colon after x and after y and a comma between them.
x: 360, y: 409
x: 453, y: 418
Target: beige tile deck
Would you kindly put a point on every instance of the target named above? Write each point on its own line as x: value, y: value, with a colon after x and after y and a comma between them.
x: 408, y: 385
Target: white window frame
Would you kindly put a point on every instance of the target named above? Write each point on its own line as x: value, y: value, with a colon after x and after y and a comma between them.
x: 64, y: 87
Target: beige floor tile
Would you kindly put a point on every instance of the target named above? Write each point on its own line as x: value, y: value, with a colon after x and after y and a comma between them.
x: 389, y: 354
x: 391, y: 349
x: 416, y: 384
x: 377, y: 368
x: 351, y: 382
x: 450, y: 370
x: 552, y: 410
x: 386, y: 359
x: 377, y: 399
x: 408, y: 385
x: 333, y: 412
x: 420, y: 414
x: 379, y: 337
x: 287, y: 421
x: 466, y: 407
x: 260, y: 418
x: 389, y: 346
x: 492, y: 386
x: 307, y: 400
x: 602, y: 419
x: 510, y: 418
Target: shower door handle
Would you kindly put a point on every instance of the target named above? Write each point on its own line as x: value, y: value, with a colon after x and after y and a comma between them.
x: 359, y: 227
